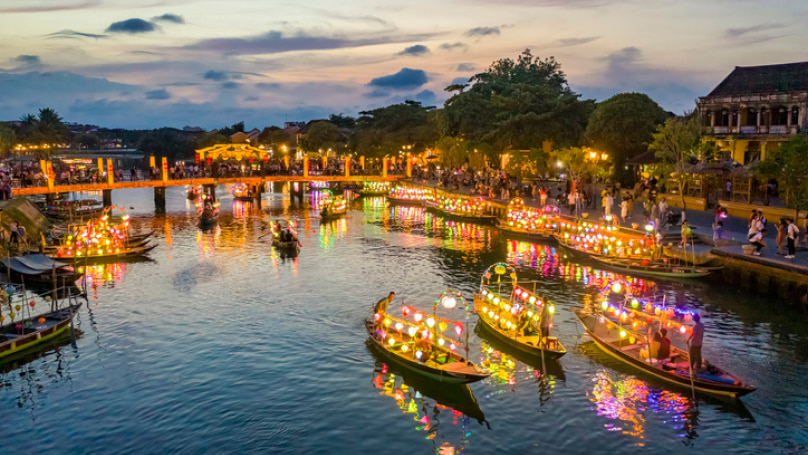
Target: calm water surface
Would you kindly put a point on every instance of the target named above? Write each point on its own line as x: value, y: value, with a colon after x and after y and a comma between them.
x: 220, y: 345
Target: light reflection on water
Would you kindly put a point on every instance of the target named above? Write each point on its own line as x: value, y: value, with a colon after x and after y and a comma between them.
x: 222, y: 345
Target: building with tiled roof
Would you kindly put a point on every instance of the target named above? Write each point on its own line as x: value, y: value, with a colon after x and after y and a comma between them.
x: 755, y: 109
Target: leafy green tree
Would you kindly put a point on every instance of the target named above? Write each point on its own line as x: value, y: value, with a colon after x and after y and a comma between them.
x: 575, y: 161
x: 342, y: 121
x: 8, y: 140
x: 517, y: 105
x: 789, y: 166
x: 86, y: 141
x: 167, y: 142
x: 387, y: 130
x: 527, y: 164
x: 232, y: 129
x: 211, y: 138
x: 322, y: 135
x: 52, y: 129
x: 275, y: 137
x: 676, y: 143
x: 623, y: 126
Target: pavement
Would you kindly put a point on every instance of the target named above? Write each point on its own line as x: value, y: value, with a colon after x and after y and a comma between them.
x: 701, y: 221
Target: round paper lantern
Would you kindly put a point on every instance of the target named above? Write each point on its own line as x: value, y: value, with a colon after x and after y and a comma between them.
x: 449, y: 302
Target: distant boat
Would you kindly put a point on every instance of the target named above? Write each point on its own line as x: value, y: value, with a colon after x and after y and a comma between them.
x: 39, y: 269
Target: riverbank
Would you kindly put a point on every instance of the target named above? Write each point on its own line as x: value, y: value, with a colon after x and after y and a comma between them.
x: 767, y: 273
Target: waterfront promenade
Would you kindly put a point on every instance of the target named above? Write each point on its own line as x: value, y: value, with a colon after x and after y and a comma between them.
x: 733, y: 238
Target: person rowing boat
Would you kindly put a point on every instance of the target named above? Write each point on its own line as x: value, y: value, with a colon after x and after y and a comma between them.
x: 381, y: 309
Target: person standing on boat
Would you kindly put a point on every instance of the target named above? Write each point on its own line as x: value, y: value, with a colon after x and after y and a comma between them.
x: 544, y: 321
x: 664, y: 345
x: 381, y: 305
x: 694, y: 343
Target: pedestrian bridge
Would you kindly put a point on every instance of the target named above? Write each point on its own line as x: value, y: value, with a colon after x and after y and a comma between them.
x: 205, y: 181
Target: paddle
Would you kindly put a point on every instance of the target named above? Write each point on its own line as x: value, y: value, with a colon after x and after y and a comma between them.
x: 692, y: 374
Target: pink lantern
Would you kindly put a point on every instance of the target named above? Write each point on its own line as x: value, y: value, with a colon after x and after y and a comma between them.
x: 452, y: 347
x: 459, y: 329
x: 377, y: 317
x: 418, y: 317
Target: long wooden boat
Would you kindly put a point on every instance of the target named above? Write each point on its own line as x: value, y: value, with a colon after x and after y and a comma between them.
x: 34, y: 331
x: 571, y: 250
x: 516, y: 232
x: 654, y: 268
x: 531, y: 345
x: 39, y: 269
x: 478, y: 218
x: 674, y: 370
x: 374, y: 189
x: 459, y: 397
x: 444, y: 365
x: 334, y: 209
x: 404, y: 201
x: 122, y: 253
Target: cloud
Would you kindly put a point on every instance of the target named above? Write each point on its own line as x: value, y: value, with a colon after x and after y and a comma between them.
x: 28, y: 6
x: 571, y: 4
x: 131, y: 26
x: 426, y: 97
x: 74, y: 34
x: 418, y: 49
x: 27, y: 60
x: 482, y: 31
x: 567, y: 42
x: 452, y: 46
x: 403, y: 80
x: 378, y: 93
x: 230, y: 85
x: 174, y: 18
x: 460, y: 81
x: 252, y: 98
x: 268, y: 85
x: 743, y: 31
x: 466, y: 67
x: 161, y: 94
x: 216, y: 76
x: 275, y: 42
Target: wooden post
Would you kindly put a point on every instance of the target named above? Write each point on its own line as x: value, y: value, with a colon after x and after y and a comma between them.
x: 362, y: 162
x: 165, y: 170
x: 347, y: 166
x: 384, y: 167
x: 409, y: 166
x: 152, y: 164
x: 51, y: 175
x: 110, y: 172
x: 107, y: 197
x: 160, y: 199
x: 100, y: 169
x: 305, y: 167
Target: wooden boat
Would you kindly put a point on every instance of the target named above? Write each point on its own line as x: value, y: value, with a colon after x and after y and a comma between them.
x: 474, y: 215
x: 194, y: 192
x: 447, y: 366
x: 289, y: 247
x: 119, y: 254
x: 657, y: 268
x: 517, y: 232
x: 39, y: 269
x: 334, y: 208
x: 459, y: 397
x: 405, y: 195
x: 674, y: 370
x: 34, y: 331
x: 375, y: 189
x: 74, y: 209
x: 498, y: 304
x: 243, y: 192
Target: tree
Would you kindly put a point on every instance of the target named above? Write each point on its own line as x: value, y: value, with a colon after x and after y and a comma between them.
x: 211, y: 138
x: 676, y: 143
x: 232, y: 129
x: 574, y: 159
x: 387, y: 130
x: 623, y: 126
x: 52, y: 129
x: 789, y: 166
x: 342, y: 121
x: 527, y: 164
x: 8, y: 139
x: 167, y: 142
x: 322, y: 135
x: 274, y: 137
x: 517, y: 105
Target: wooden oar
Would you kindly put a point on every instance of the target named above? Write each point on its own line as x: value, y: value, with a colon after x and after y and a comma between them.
x: 692, y: 373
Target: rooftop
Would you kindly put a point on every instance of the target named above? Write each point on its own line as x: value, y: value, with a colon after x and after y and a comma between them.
x: 767, y: 79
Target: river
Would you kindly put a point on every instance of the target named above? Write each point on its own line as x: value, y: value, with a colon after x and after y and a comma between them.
x: 218, y: 344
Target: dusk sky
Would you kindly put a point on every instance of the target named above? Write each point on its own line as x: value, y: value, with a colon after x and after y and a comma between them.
x: 211, y: 63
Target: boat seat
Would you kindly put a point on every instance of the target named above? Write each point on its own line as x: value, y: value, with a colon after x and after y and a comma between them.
x: 631, y: 347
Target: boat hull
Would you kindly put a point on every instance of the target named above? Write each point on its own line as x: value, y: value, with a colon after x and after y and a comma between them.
x: 418, y: 367
x: 539, y: 236
x: 671, y: 272
x: 482, y: 219
x: 25, y: 343
x: 533, y: 351
x: 409, y: 202
x: 713, y: 388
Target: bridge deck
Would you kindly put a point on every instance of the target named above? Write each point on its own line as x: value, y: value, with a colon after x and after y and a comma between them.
x: 199, y: 181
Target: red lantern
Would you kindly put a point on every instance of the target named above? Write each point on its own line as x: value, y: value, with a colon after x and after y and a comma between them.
x: 32, y: 303
x: 41, y: 320
x: 196, y: 158
x: 688, y: 317
x: 208, y: 159
x: 377, y: 317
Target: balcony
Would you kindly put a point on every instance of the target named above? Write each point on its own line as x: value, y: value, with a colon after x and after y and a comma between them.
x: 778, y: 129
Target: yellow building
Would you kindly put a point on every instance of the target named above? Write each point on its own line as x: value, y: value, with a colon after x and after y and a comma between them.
x: 755, y: 109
